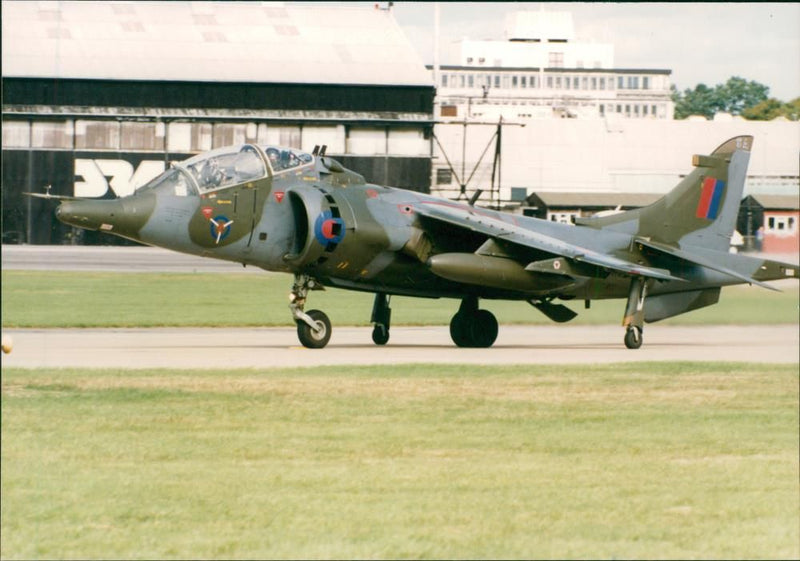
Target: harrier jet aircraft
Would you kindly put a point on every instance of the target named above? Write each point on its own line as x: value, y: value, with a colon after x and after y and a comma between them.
x: 282, y: 209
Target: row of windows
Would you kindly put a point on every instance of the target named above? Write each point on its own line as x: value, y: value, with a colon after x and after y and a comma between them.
x: 559, y: 82
x: 199, y: 137
x: 627, y: 109
x: 631, y: 109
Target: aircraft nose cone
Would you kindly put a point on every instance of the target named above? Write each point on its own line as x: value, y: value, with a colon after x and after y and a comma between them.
x: 91, y: 215
x: 124, y: 217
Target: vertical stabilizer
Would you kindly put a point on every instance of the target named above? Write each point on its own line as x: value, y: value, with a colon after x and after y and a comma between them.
x: 701, y: 210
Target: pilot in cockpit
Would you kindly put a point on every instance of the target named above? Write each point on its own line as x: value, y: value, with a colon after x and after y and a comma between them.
x: 274, y: 157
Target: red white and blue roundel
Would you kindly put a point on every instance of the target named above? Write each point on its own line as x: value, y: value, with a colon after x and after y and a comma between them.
x: 327, y: 229
x: 220, y: 227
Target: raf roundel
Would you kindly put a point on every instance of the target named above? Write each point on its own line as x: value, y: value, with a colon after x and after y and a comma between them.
x: 220, y: 227
x: 328, y: 229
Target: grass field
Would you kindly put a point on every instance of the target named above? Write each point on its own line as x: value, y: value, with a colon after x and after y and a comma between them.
x: 65, y: 299
x: 618, y: 461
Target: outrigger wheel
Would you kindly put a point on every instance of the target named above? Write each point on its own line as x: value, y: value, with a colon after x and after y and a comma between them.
x: 633, y: 337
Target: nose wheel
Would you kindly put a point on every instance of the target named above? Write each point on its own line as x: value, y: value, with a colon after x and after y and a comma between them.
x: 313, y: 327
x: 318, y: 336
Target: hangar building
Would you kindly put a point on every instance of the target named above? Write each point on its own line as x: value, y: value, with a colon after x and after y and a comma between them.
x: 98, y: 97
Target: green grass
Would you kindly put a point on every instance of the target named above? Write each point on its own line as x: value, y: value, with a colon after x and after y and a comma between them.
x: 64, y: 299
x: 625, y: 461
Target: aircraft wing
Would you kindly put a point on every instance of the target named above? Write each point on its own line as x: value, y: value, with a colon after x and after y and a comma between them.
x: 505, y: 231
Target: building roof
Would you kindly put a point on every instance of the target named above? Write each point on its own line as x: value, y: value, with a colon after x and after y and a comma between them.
x: 778, y: 202
x: 256, y: 42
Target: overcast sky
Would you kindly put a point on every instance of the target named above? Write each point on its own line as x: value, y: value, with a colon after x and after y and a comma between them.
x: 705, y: 43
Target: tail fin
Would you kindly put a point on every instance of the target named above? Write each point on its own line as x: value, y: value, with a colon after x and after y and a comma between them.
x: 701, y: 210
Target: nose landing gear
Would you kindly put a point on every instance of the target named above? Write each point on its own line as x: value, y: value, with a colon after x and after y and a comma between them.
x: 313, y: 327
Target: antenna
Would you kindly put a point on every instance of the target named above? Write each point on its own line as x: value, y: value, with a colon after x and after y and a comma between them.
x: 475, y: 196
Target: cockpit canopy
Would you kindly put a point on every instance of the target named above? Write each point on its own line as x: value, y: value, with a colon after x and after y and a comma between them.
x: 228, y: 166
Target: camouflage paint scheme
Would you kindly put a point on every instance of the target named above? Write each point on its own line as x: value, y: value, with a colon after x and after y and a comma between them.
x: 285, y: 210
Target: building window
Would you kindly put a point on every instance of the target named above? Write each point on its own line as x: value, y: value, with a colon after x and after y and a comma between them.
x: 567, y: 82
x: 496, y: 80
x: 636, y: 110
x: 97, y: 134
x: 558, y: 82
x: 469, y: 60
x: 449, y: 111
x: 645, y: 82
x: 620, y: 82
x: 633, y: 82
x: 142, y: 136
x: 555, y: 60
x: 514, y: 82
x: 619, y: 108
x: 444, y: 80
x: 602, y: 110
x: 563, y: 217
x: 594, y: 83
x: 534, y: 82
x: 16, y: 134
x: 644, y: 110
x: 584, y: 83
x: 523, y: 81
x: 781, y: 224
x: 460, y: 80
x: 444, y: 176
x: 471, y: 81
x: 602, y: 83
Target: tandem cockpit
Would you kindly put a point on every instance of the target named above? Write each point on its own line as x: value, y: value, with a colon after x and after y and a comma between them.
x: 228, y: 166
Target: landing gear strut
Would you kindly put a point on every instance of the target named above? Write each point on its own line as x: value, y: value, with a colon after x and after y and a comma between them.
x: 634, y: 313
x: 381, y: 319
x: 313, y: 327
x: 473, y: 327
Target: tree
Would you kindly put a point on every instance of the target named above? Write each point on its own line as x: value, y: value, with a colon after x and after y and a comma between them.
x: 734, y: 96
x: 702, y: 100
x: 772, y: 108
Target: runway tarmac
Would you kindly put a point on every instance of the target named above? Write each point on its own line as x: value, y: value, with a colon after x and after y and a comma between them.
x: 264, y: 348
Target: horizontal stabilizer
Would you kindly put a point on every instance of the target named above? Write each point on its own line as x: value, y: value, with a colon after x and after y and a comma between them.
x: 702, y: 261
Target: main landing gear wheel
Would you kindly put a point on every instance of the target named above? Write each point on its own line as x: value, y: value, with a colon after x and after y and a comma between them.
x: 380, y: 335
x: 381, y: 319
x: 317, y: 337
x: 633, y: 337
x: 473, y: 328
